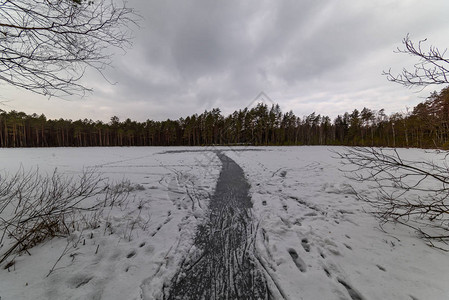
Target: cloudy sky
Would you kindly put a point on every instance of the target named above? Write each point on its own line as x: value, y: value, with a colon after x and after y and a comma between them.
x: 306, y: 55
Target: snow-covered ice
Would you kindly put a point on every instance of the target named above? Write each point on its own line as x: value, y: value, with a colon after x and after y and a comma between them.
x: 317, y: 242
x: 314, y: 238
x: 130, y: 263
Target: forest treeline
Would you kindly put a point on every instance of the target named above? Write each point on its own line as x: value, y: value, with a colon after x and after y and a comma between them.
x: 425, y: 126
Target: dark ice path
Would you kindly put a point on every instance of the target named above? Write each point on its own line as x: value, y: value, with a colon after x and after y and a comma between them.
x: 223, y: 267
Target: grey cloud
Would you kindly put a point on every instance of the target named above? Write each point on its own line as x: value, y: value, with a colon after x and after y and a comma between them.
x: 197, y: 54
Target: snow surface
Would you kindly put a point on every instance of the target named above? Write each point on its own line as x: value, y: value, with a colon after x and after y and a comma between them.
x: 314, y: 238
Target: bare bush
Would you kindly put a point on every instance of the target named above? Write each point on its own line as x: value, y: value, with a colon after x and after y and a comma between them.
x: 34, y: 208
x: 411, y: 192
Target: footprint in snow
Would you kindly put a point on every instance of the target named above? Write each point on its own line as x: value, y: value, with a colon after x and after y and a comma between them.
x: 305, y: 244
x: 347, y: 246
x: 297, y: 222
x: 311, y: 214
x: 149, y: 249
x: 328, y: 274
x: 352, y: 293
x: 115, y: 255
x: 157, y: 230
x: 79, y: 280
x: 300, y: 264
x: 334, y: 251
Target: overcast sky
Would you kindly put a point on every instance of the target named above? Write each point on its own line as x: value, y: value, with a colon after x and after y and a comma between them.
x: 322, y: 56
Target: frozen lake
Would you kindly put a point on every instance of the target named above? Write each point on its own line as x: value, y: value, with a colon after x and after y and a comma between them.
x: 309, y: 236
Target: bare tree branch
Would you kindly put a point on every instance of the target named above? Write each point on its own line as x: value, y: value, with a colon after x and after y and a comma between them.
x: 410, y: 192
x: 432, y: 66
x: 46, y: 45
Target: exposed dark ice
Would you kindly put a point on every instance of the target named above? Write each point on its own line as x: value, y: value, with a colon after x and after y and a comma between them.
x: 223, y: 265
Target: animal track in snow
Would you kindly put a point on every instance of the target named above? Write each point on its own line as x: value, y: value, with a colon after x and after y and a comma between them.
x: 141, y: 244
x: 300, y: 264
x: 381, y: 268
x: 159, y: 227
x: 131, y: 254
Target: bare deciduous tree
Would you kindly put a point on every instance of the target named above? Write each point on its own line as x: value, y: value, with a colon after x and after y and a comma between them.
x: 46, y: 45
x: 411, y: 192
x: 432, y: 66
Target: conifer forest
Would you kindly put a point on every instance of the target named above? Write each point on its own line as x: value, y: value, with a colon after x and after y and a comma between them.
x: 424, y: 126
